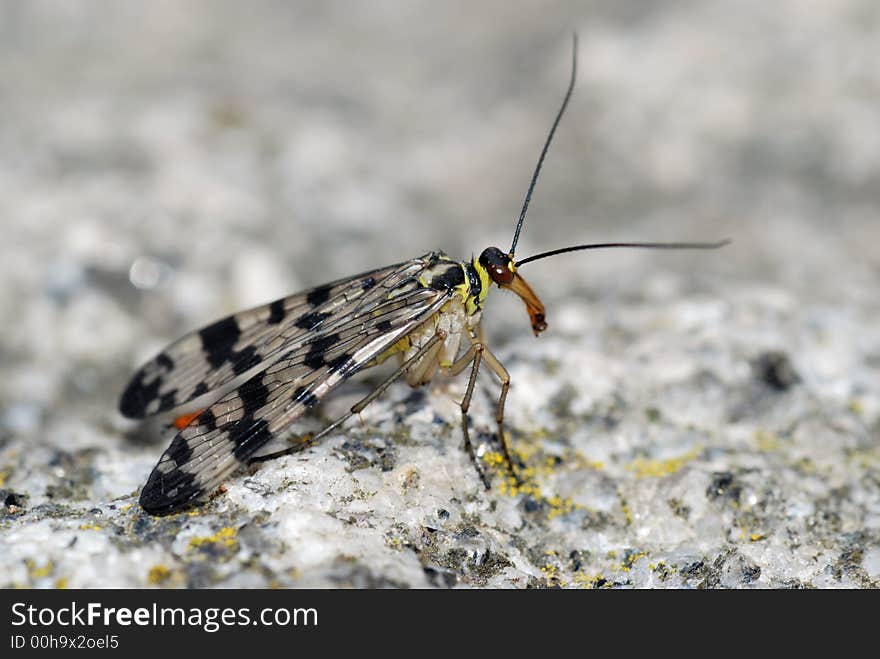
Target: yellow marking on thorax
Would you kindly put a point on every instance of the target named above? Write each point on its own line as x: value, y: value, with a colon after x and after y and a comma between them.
x: 464, y: 292
x: 401, y: 346
x: 473, y: 303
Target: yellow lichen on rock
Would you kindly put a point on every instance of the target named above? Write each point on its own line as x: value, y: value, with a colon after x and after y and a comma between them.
x: 644, y: 468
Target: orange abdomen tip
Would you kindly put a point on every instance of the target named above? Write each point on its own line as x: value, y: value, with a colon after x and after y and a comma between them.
x: 184, y: 420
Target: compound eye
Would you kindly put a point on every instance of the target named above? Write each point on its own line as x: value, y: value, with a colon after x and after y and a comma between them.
x: 497, y: 265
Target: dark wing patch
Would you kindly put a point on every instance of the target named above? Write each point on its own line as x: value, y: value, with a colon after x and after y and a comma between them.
x: 225, y: 350
x: 229, y: 432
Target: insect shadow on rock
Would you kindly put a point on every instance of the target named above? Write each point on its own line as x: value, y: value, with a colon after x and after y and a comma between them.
x: 281, y: 359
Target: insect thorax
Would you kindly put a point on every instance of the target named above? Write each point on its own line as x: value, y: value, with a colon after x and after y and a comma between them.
x: 467, y: 280
x: 466, y: 284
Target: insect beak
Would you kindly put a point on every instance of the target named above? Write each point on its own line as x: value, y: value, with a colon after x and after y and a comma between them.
x: 533, y: 305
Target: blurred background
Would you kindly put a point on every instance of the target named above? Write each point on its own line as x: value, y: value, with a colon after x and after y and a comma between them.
x: 164, y: 163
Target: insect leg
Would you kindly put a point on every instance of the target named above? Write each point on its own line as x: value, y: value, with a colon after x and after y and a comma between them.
x: 360, y: 405
x: 498, y: 368
x: 421, y: 372
x: 478, y: 352
x: 473, y: 357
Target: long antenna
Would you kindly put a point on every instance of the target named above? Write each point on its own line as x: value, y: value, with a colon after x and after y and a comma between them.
x: 576, y: 248
x: 522, y: 214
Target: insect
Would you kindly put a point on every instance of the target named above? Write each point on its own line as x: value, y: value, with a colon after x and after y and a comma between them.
x: 281, y: 359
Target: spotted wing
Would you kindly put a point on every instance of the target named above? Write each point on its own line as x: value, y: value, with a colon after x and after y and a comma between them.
x: 217, y: 354
x: 227, y: 433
